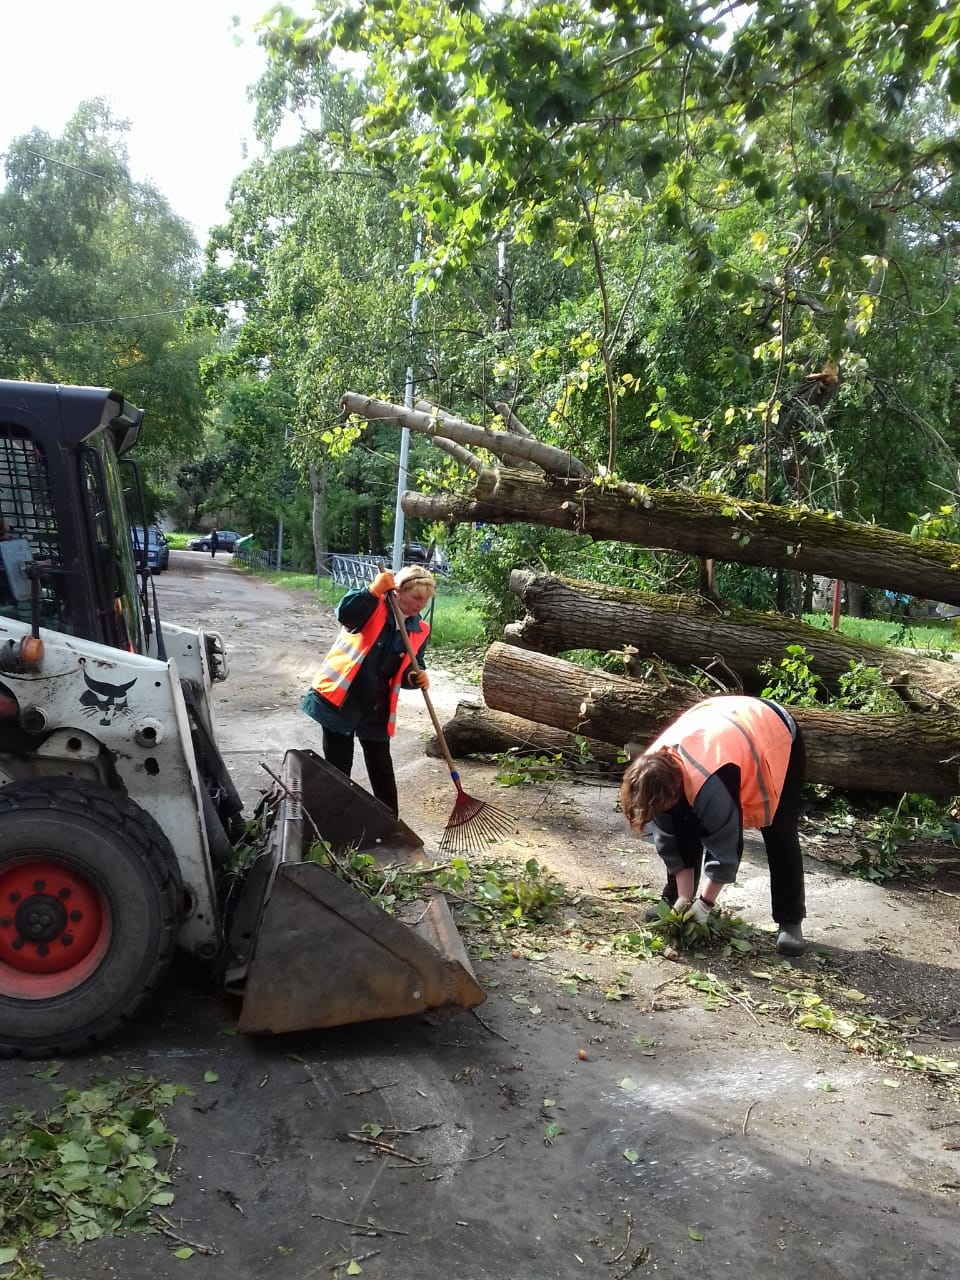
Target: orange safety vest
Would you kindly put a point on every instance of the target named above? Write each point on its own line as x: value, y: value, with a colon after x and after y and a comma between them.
x: 350, y: 648
x: 732, y: 730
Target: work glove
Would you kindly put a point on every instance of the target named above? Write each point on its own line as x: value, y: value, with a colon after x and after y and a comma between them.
x: 420, y: 680
x: 682, y: 906
x: 382, y: 583
x: 699, y: 911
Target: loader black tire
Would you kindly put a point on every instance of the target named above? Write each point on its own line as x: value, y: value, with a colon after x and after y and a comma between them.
x: 90, y: 905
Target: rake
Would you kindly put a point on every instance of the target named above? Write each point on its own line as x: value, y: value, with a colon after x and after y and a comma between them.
x: 472, y: 822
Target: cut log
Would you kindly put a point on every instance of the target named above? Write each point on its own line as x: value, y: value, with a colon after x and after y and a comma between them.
x: 690, y: 631
x: 476, y: 730
x: 847, y: 750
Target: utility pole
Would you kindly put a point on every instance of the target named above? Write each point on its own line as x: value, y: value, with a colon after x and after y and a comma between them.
x: 286, y: 437
x: 405, y: 439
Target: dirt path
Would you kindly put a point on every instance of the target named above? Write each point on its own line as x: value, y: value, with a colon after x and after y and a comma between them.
x: 703, y: 1133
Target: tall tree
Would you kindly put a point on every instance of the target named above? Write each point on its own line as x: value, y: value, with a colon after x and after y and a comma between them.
x: 96, y: 274
x: 762, y: 164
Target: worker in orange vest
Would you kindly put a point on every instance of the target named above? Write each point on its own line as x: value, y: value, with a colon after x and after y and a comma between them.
x: 355, y: 693
x: 729, y: 762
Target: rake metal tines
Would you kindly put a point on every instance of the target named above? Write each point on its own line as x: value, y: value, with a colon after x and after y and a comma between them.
x: 473, y: 824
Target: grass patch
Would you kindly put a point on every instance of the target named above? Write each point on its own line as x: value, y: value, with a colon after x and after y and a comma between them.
x: 178, y: 541
x: 909, y: 633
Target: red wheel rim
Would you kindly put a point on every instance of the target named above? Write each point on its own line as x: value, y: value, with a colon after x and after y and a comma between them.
x: 54, y: 928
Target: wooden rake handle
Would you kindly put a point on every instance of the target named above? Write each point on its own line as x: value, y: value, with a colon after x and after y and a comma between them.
x: 415, y: 666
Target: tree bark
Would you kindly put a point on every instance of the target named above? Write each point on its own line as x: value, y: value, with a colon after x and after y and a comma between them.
x: 457, y: 451
x: 555, y: 461
x: 690, y: 631
x: 707, y: 526
x: 847, y: 750
x: 476, y: 730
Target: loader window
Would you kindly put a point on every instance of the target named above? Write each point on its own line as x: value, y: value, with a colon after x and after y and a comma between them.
x: 118, y: 602
x: 27, y: 517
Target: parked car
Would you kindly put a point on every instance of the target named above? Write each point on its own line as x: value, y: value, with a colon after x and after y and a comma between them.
x: 413, y: 553
x: 155, y: 544
x: 156, y: 531
x: 227, y: 540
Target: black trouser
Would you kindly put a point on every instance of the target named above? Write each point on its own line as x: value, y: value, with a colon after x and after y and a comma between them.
x: 338, y: 749
x: 780, y: 840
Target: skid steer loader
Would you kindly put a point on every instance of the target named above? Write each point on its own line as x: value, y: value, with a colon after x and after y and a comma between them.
x: 118, y: 818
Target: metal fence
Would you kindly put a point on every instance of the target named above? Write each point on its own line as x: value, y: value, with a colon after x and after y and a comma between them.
x: 254, y: 559
x: 346, y: 571
x: 349, y: 571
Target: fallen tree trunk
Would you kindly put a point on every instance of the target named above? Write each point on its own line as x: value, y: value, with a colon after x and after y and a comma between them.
x: 476, y: 730
x: 709, y: 527
x: 848, y: 750
x: 691, y: 631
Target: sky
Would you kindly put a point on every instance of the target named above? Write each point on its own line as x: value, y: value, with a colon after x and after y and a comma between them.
x: 172, y: 68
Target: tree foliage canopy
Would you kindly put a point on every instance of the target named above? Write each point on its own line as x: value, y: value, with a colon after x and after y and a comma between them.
x: 96, y: 273
x: 736, y: 195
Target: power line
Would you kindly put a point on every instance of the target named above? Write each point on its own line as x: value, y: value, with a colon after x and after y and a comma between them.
x: 72, y: 324
x: 64, y: 164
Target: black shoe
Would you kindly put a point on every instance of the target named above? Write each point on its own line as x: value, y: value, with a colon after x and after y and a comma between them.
x: 790, y: 940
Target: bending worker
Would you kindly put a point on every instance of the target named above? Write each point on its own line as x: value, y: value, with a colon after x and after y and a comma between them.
x: 729, y: 762
x: 355, y: 692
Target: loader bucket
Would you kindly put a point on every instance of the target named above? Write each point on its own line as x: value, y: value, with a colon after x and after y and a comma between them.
x: 312, y: 951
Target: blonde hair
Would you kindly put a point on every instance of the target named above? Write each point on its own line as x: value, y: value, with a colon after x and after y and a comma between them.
x: 415, y: 577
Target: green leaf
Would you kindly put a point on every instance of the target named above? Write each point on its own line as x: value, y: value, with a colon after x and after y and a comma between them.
x: 162, y: 1197
x: 631, y: 1155
x: 628, y: 1084
x: 8, y: 1255
x: 131, y: 1190
x: 210, y: 1077
x: 185, y: 1252
x: 354, y: 1268
x: 694, y: 1234
x: 48, y: 1072
x: 73, y: 1153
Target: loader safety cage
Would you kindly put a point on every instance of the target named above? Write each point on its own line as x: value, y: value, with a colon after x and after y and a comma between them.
x: 71, y: 549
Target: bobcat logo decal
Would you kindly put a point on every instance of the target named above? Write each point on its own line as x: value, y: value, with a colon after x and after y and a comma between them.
x: 110, y: 700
